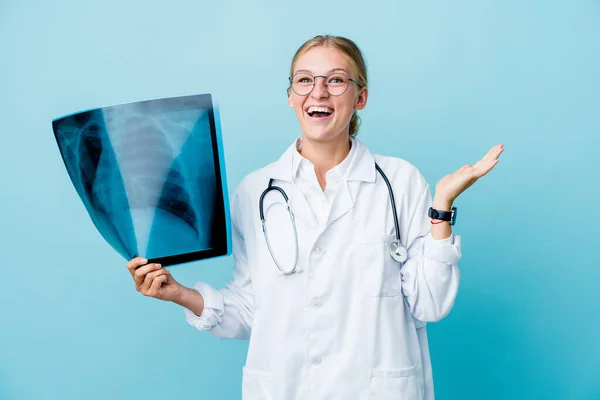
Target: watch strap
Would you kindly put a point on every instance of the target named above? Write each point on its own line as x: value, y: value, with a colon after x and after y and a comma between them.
x: 449, y: 216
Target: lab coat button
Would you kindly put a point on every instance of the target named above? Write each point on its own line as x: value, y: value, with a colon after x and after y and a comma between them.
x: 315, y: 360
x: 320, y: 250
x: 317, y: 303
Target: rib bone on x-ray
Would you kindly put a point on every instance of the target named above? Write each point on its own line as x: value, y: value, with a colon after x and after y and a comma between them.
x: 150, y: 176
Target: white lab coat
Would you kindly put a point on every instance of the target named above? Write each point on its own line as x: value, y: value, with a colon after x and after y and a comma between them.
x: 344, y: 326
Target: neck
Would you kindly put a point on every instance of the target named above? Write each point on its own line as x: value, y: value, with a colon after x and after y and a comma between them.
x: 325, y: 154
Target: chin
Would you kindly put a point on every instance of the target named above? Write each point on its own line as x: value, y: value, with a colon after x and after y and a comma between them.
x: 323, y: 134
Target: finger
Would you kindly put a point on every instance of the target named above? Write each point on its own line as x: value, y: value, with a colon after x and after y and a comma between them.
x: 483, y: 169
x: 150, y: 279
x: 140, y: 273
x: 463, y: 168
x: 145, y: 286
x: 483, y: 166
x: 494, y: 153
x: 134, y: 263
x: 156, y: 284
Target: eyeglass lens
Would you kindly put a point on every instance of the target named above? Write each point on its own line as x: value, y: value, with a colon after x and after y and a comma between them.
x: 336, y: 83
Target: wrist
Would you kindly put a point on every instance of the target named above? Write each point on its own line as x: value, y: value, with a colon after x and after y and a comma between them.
x: 190, y: 299
x: 181, y: 294
x: 442, y: 203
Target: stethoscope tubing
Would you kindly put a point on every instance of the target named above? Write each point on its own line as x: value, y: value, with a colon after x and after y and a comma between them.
x: 397, y: 250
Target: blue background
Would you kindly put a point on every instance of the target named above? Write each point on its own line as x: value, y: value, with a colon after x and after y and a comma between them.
x: 447, y: 81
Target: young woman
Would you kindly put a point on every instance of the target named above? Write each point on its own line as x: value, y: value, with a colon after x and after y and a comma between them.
x: 331, y: 294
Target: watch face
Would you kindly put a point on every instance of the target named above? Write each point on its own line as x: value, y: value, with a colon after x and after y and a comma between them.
x: 150, y: 175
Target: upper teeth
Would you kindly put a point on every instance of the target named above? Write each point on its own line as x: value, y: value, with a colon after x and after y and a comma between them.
x: 313, y: 109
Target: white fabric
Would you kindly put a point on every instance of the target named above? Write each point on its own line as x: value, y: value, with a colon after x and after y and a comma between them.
x: 305, y: 178
x: 345, y: 325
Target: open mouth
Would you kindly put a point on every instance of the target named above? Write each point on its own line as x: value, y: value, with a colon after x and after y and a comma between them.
x: 319, y: 112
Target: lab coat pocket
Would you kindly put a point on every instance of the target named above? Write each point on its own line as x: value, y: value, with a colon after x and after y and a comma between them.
x: 378, y: 272
x: 396, y: 384
x: 256, y: 385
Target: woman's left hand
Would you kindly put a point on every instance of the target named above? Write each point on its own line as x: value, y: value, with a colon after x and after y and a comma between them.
x: 452, y: 185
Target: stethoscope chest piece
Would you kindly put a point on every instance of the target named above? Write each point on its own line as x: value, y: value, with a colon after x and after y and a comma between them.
x: 398, y: 252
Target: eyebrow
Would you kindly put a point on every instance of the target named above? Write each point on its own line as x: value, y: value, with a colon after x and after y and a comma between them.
x: 328, y: 72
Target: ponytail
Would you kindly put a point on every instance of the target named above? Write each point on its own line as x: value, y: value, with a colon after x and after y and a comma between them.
x: 354, y: 124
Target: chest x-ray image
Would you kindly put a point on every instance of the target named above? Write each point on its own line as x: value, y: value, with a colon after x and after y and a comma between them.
x: 151, y: 176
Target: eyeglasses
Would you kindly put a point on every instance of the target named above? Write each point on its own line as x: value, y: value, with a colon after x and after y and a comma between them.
x: 336, y: 83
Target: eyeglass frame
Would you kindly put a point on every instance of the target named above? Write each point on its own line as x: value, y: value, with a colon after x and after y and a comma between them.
x: 324, y: 77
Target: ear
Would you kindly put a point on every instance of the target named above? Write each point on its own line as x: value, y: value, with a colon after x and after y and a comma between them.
x: 361, y: 100
x: 290, y: 102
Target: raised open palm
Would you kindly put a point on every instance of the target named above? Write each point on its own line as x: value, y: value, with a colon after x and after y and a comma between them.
x: 452, y: 185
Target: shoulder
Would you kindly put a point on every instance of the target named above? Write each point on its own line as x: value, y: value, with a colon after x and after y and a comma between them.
x: 255, y: 182
x: 402, y: 173
x: 397, y: 169
x: 259, y: 178
x: 244, y: 197
x: 249, y: 189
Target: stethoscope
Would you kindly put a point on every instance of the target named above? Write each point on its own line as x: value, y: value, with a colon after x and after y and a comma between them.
x: 397, y: 250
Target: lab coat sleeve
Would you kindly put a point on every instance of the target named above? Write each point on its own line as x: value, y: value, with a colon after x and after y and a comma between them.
x: 430, y: 276
x: 228, y: 312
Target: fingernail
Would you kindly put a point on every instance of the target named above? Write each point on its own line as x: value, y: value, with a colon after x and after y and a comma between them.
x: 144, y: 260
x: 158, y: 265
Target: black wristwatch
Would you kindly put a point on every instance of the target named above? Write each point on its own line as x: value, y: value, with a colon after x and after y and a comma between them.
x: 449, y: 216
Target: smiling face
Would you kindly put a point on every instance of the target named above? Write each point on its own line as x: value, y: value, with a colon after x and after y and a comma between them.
x: 323, y: 116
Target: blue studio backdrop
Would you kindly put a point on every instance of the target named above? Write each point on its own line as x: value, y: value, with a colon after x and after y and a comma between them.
x: 448, y: 79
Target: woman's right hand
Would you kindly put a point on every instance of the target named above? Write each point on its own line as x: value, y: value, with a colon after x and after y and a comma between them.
x: 153, y: 281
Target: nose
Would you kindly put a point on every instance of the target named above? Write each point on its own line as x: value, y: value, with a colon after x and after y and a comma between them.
x: 320, y: 89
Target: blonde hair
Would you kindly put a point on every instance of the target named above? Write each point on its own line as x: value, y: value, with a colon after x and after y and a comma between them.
x: 350, y: 50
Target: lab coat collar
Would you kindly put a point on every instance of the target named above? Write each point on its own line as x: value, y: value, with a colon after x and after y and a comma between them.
x: 301, y: 166
x: 361, y: 168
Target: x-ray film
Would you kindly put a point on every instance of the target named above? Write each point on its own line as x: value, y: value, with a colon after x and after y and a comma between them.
x: 151, y: 176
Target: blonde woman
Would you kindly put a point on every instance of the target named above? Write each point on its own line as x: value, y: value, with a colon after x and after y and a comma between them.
x: 331, y: 294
